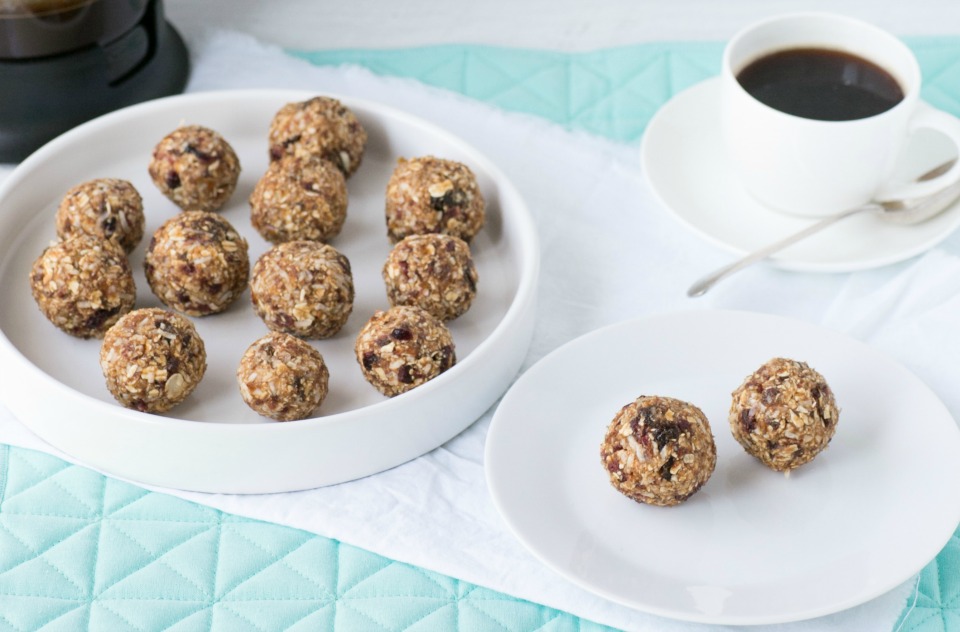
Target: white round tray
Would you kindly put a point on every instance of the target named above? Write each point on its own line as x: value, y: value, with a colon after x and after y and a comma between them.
x: 213, y: 442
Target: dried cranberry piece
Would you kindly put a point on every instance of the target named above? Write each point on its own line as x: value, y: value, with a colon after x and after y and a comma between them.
x: 447, y: 358
x: 96, y: 320
x: 665, y: 472
x: 334, y: 156
x: 469, y: 277
x: 649, y: 420
x: 401, y: 333
x: 109, y: 226
x: 201, y: 155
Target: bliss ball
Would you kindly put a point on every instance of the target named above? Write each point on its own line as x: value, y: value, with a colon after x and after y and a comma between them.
x: 83, y: 285
x: 320, y: 127
x: 106, y: 208
x: 299, y: 198
x: 283, y: 377
x: 152, y: 360
x: 433, y: 195
x: 659, y: 450
x: 197, y: 263
x: 196, y: 168
x: 784, y: 414
x: 402, y: 348
x: 303, y: 288
x: 434, y: 272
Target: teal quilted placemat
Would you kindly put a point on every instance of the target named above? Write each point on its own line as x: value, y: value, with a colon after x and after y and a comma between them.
x: 612, y: 92
x: 82, y: 551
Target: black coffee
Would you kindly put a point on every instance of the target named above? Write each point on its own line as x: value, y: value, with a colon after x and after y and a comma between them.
x: 821, y: 84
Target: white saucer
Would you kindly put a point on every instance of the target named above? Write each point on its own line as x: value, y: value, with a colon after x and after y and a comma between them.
x: 684, y: 163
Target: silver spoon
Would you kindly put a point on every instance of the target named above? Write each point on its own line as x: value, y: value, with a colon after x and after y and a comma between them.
x: 909, y: 211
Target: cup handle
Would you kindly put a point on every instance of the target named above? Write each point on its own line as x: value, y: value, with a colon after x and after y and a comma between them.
x: 928, y: 117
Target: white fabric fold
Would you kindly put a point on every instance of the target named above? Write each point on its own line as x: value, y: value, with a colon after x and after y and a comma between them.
x: 609, y: 253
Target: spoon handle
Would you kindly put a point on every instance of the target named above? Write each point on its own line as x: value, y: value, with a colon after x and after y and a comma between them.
x: 700, y: 287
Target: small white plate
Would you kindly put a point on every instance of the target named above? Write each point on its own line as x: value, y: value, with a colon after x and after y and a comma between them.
x: 684, y: 163
x: 752, y: 546
x: 213, y: 442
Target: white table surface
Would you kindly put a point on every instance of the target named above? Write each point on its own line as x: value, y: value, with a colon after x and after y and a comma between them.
x: 552, y: 24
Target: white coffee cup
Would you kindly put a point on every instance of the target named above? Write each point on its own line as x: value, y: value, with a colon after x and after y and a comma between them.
x: 811, y: 167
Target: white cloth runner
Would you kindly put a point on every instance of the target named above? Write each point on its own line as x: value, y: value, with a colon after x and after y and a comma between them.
x: 609, y: 253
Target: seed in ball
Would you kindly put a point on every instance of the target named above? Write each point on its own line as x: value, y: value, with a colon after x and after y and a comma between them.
x: 299, y: 198
x: 402, y: 348
x: 196, y: 168
x: 433, y: 195
x: 321, y: 127
x: 303, y: 288
x: 659, y: 450
x: 283, y: 377
x: 784, y: 414
x: 106, y: 208
x: 434, y: 272
x: 197, y: 263
x: 83, y: 285
x: 152, y: 359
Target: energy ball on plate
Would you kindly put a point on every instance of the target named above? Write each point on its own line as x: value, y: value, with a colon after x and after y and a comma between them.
x: 434, y: 272
x: 784, y: 414
x: 196, y: 168
x: 107, y: 208
x: 659, y: 450
x: 304, y: 288
x: 402, y: 348
x: 152, y: 359
x: 83, y: 285
x: 320, y: 127
x: 299, y: 198
x: 283, y: 377
x: 197, y: 263
x: 433, y: 195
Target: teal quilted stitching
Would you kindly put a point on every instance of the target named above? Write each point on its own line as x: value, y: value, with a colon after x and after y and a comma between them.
x: 120, y: 503
x: 156, y: 556
x: 4, y: 466
x: 611, y: 93
x: 936, y: 604
x: 42, y: 559
x: 119, y: 615
x: 216, y: 568
x: 278, y: 561
x: 447, y: 587
x: 96, y: 557
x: 950, y: 582
x: 50, y: 478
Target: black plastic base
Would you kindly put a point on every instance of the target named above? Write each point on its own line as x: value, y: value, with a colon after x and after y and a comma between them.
x: 42, y: 98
